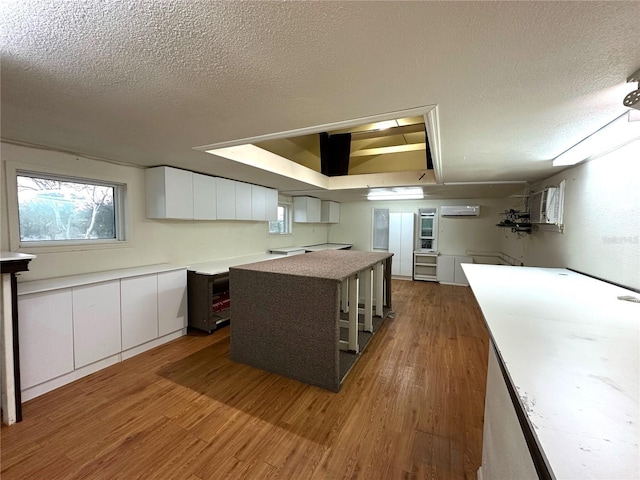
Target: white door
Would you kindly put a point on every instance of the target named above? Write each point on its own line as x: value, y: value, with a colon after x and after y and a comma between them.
x: 395, y: 241
x: 172, y: 301
x: 406, y: 247
x: 45, y: 335
x: 139, y: 307
x: 96, y: 322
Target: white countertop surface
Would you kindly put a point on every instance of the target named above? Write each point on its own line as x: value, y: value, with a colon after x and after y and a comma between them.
x: 15, y: 256
x: 221, y: 266
x: 327, y: 246
x: 49, y: 284
x: 570, y: 348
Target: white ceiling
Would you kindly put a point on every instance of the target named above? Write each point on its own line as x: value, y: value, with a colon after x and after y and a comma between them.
x: 144, y: 82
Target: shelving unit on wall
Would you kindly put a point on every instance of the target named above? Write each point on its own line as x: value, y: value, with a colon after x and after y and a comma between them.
x: 425, y: 266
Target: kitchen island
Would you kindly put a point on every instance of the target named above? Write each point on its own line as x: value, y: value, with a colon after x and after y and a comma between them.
x: 562, y: 395
x: 288, y: 318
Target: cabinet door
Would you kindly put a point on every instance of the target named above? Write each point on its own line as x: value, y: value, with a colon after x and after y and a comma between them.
x: 271, y: 204
x: 172, y: 301
x: 139, y: 307
x: 458, y: 273
x: 169, y: 193
x: 330, y: 212
x: 406, y: 246
x: 395, y: 240
x: 306, y: 210
x: 45, y: 335
x: 446, y: 268
x: 225, y: 199
x: 258, y: 203
x: 243, y: 201
x: 96, y: 322
x: 204, y: 197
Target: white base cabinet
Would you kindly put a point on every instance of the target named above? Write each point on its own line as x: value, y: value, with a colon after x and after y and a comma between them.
x: 172, y: 301
x: 96, y: 322
x: 425, y: 266
x: 46, y: 336
x: 73, y: 326
x: 450, y: 269
x: 139, y: 309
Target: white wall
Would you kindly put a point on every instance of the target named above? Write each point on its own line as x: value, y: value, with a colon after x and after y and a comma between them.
x: 602, y: 221
x: 456, y: 235
x: 149, y: 241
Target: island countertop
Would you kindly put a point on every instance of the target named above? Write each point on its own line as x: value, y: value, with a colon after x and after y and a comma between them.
x: 570, y: 349
x: 325, y: 264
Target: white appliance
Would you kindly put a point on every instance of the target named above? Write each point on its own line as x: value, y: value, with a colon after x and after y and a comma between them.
x: 460, y: 210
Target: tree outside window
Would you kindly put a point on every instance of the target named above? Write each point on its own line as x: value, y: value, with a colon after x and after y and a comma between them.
x: 52, y: 209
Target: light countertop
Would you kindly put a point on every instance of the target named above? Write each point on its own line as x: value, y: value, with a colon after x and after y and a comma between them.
x: 328, y: 246
x: 222, y: 266
x: 328, y: 264
x: 571, y: 350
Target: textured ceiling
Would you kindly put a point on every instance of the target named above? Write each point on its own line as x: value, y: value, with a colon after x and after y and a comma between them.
x: 143, y: 82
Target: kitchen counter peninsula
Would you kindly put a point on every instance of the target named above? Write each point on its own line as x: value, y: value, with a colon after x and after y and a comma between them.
x: 563, y: 388
x: 299, y: 316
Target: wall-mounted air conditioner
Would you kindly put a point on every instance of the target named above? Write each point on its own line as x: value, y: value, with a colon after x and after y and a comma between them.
x: 546, y: 206
x: 460, y: 211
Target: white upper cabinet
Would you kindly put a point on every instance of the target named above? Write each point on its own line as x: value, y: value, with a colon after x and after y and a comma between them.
x: 306, y: 210
x: 172, y: 193
x: 329, y: 212
x: 226, y: 199
x: 258, y: 205
x: 243, y: 201
x: 169, y: 193
x: 270, y: 204
x: 204, y: 197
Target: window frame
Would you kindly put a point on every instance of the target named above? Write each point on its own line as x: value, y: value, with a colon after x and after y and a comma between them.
x: 14, y: 170
x: 288, y: 221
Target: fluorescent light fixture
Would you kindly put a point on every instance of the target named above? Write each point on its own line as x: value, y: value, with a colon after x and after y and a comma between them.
x: 612, y: 136
x: 402, y: 193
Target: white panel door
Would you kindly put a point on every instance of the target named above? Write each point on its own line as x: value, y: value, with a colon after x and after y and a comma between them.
x: 406, y: 246
x: 172, y: 301
x: 395, y: 241
x: 258, y: 203
x: 96, y: 322
x: 458, y: 275
x: 243, y: 201
x: 139, y: 309
x: 204, y: 197
x: 271, y: 204
x: 446, y: 268
x: 45, y: 335
x: 169, y: 193
x: 225, y: 199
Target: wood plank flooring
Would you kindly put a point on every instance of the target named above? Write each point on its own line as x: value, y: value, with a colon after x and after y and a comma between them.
x: 411, y: 408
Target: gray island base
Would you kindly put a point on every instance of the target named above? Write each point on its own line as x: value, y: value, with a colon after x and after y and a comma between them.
x: 288, y: 314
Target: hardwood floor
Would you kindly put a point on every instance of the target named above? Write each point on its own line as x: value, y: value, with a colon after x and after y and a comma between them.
x: 411, y: 408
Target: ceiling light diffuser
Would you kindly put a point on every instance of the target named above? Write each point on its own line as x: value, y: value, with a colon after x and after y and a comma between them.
x: 406, y: 193
x: 612, y: 136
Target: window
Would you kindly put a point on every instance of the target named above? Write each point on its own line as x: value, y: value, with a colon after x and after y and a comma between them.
x: 282, y: 226
x: 381, y: 228
x: 59, y: 209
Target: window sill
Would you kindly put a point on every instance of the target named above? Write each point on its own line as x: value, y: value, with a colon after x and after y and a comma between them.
x: 73, y: 247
